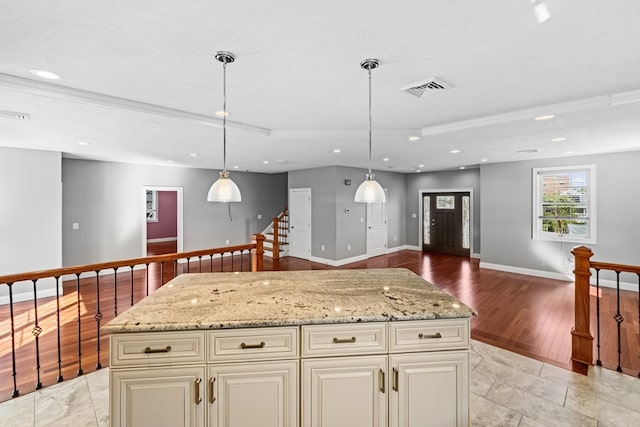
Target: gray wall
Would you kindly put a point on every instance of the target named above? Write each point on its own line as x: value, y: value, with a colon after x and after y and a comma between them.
x: 105, y: 199
x: 321, y: 181
x: 330, y: 197
x: 468, y: 178
x: 30, y: 216
x: 506, y: 214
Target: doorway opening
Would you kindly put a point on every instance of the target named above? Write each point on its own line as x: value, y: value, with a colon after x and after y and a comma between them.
x: 162, y: 220
x: 446, y: 221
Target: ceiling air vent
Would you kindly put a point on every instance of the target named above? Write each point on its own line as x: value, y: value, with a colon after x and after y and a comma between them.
x: 14, y: 115
x: 433, y: 84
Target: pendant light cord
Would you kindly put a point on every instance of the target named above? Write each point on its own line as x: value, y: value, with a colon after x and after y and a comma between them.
x: 369, y: 69
x: 224, y: 116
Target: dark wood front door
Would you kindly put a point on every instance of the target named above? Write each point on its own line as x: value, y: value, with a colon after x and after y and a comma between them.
x: 446, y: 223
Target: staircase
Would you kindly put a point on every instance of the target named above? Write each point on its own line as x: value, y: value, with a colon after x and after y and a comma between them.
x: 276, y: 243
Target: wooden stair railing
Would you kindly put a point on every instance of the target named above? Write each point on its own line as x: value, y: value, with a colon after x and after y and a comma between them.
x: 31, y: 347
x: 581, y: 336
x: 280, y: 222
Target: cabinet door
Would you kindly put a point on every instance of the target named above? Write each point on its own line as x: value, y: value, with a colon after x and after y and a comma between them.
x: 429, y: 389
x: 157, y: 397
x: 344, y: 392
x: 253, y: 395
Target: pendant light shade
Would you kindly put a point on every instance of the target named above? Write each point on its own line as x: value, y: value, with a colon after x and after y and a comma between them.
x: 370, y: 191
x: 224, y: 189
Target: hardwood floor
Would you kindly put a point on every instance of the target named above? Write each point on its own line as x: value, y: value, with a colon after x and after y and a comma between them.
x: 528, y: 315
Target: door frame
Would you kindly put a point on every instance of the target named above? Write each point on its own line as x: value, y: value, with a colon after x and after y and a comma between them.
x: 179, y: 202
x: 384, y: 227
x: 445, y: 190
x: 310, y: 247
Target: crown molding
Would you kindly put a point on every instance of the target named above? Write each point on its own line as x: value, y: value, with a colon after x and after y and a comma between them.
x: 612, y: 100
x: 342, y: 133
x: 64, y: 93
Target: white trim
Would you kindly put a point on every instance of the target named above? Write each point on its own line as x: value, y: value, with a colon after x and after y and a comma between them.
x: 338, y: 263
x: 567, y: 277
x: 179, y: 217
x: 79, y: 96
x: 536, y: 233
x: 162, y: 239
x: 446, y: 190
x: 28, y: 296
x: 562, y: 107
x: 402, y: 248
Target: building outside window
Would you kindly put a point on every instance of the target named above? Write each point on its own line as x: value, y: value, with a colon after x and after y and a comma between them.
x: 564, y: 204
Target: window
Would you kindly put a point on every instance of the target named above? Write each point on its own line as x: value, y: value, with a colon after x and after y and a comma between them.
x: 564, y: 201
x: 152, y: 206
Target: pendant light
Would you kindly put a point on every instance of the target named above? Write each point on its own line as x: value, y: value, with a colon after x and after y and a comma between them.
x: 224, y: 189
x: 370, y: 191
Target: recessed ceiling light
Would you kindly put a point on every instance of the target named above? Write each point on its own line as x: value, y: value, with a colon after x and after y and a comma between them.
x: 194, y: 154
x: 385, y: 159
x: 336, y: 150
x: 414, y: 138
x: 85, y: 143
x: 418, y: 170
x: 454, y: 151
x: 265, y: 162
x: 545, y: 117
x: 420, y: 166
x: 169, y: 161
x: 462, y: 167
x: 559, y: 139
x: 484, y: 160
x: 45, y: 74
x: 222, y: 113
x: 236, y: 167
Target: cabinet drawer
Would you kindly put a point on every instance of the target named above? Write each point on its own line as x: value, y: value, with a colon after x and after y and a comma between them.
x: 426, y: 335
x: 154, y: 348
x: 253, y: 344
x: 343, y: 339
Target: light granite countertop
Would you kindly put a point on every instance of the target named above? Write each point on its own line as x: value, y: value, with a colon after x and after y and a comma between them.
x: 275, y: 298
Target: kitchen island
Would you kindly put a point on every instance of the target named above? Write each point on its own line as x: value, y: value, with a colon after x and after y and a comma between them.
x: 325, y: 348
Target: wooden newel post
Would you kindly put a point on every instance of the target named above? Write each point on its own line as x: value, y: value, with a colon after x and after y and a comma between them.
x: 257, y: 253
x: 276, y: 238
x: 581, y: 338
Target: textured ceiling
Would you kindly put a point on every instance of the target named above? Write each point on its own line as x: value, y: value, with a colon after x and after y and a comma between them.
x: 140, y: 83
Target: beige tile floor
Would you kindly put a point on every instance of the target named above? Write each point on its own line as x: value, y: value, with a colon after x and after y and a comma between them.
x: 506, y: 390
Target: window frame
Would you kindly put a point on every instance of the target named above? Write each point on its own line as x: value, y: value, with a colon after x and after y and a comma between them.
x: 537, y: 204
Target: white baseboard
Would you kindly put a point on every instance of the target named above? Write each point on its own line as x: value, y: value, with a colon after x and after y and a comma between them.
x: 338, y: 263
x: 162, y: 239
x: 626, y: 286
x: 28, y: 296
x: 403, y: 248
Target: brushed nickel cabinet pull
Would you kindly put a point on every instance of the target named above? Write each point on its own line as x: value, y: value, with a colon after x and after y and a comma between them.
x: 425, y: 336
x: 212, y: 397
x: 343, y: 340
x: 148, y: 350
x: 243, y: 345
x: 381, y: 380
x: 198, y: 398
x: 395, y: 379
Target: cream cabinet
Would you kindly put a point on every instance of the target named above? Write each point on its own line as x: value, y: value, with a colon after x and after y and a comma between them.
x: 379, y: 374
x: 260, y: 394
x: 157, y: 397
x: 344, y: 392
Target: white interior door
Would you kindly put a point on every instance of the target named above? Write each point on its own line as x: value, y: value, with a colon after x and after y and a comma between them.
x: 300, y: 222
x: 376, y: 229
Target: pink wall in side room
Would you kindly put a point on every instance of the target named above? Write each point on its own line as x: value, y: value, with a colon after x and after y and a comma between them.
x: 167, y: 225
